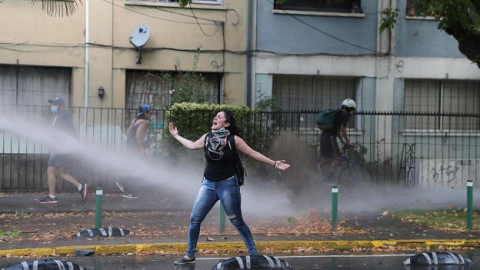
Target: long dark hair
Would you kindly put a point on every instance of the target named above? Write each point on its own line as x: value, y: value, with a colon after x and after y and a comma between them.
x: 233, y: 123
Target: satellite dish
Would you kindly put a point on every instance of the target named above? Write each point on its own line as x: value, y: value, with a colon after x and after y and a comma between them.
x: 139, y: 37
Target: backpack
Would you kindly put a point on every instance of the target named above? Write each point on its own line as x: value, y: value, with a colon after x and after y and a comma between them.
x: 326, y: 119
x: 240, y: 170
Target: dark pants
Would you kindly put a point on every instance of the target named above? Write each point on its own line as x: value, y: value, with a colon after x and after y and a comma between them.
x: 329, y: 148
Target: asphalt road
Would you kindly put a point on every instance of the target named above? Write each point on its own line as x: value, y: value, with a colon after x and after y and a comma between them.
x: 311, y: 262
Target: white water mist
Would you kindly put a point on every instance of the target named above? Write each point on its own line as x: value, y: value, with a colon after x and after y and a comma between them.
x: 183, y: 180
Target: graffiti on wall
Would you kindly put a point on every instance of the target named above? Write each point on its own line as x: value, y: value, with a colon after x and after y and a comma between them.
x: 448, y: 173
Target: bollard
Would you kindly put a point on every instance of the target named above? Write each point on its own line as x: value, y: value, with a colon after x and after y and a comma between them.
x: 334, y: 207
x: 98, y: 207
x: 469, y: 204
x: 222, y: 219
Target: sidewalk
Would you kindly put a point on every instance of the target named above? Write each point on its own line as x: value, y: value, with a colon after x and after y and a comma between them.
x: 159, y: 225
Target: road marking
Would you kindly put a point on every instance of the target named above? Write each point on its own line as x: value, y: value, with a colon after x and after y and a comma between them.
x: 318, y: 256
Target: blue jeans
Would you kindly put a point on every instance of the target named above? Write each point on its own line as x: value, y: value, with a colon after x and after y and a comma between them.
x: 228, y: 192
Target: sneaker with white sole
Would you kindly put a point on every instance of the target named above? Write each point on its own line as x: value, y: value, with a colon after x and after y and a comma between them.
x: 84, y: 192
x: 185, y: 260
x: 129, y: 196
x: 48, y: 199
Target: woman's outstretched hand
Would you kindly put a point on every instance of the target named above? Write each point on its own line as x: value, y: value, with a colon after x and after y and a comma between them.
x: 173, y: 130
x: 282, y: 165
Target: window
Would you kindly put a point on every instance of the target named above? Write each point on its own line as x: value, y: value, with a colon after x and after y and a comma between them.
x: 26, y: 85
x: 443, y: 98
x: 343, y: 6
x: 421, y: 8
x: 162, y: 89
x: 296, y: 93
x: 209, y: 2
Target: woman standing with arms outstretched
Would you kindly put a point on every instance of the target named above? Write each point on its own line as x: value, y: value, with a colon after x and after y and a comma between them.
x: 219, y: 179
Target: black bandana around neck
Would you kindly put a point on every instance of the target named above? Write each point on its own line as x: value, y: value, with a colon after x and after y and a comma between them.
x: 215, y: 144
x: 221, y: 133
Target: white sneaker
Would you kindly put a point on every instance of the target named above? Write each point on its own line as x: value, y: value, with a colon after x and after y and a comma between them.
x: 129, y: 196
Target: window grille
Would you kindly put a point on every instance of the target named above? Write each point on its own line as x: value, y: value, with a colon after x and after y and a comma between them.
x: 435, y: 97
x: 343, y: 6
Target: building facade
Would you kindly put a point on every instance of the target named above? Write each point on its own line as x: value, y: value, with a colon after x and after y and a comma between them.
x: 74, y: 56
x: 310, y: 55
x: 304, y: 55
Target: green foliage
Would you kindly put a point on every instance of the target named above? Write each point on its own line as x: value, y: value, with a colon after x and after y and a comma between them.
x: 389, y: 19
x: 292, y: 220
x: 358, y: 153
x: 167, y: 88
x: 459, y: 13
x: 262, y: 122
x: 267, y: 105
x: 9, y: 234
x: 459, y: 18
x: 184, y: 3
x: 193, y: 120
x: 441, y: 219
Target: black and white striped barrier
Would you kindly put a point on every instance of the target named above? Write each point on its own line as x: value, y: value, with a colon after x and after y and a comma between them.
x: 252, y: 262
x: 48, y: 264
x: 103, y: 232
x: 437, y: 258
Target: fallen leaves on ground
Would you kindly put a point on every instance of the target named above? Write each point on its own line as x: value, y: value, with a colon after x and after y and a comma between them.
x: 448, y: 220
x: 47, y: 228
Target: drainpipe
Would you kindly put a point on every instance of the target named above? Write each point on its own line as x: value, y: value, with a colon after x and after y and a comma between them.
x: 87, y: 44
x: 250, y: 25
x: 385, y: 80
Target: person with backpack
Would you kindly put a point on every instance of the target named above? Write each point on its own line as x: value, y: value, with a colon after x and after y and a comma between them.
x: 220, y: 181
x: 63, y: 123
x: 137, y: 140
x: 329, y: 149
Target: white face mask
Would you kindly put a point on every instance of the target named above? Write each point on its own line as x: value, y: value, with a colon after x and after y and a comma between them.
x: 54, y: 109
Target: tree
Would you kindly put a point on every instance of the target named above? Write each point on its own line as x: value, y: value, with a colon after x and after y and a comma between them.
x: 183, y: 3
x: 459, y: 18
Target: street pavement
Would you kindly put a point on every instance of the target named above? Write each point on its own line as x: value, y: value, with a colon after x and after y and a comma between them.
x: 379, y: 232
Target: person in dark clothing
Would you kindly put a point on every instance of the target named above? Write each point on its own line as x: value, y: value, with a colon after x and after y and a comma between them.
x: 137, y: 139
x: 63, y: 122
x: 219, y: 179
x: 329, y: 149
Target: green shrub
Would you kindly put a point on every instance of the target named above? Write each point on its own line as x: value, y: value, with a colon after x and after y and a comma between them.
x: 193, y: 120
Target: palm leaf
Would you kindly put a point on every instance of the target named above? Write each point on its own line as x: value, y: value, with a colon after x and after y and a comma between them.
x: 59, y: 7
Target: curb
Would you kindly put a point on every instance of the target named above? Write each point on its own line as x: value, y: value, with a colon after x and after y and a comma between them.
x: 238, y: 247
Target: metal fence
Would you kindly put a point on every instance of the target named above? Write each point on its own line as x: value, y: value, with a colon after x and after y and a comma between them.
x: 400, y: 148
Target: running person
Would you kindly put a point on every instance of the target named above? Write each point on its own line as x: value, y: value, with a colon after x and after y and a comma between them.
x: 137, y: 139
x: 63, y: 122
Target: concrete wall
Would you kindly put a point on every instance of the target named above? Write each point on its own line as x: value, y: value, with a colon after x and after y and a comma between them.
x: 318, y: 33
